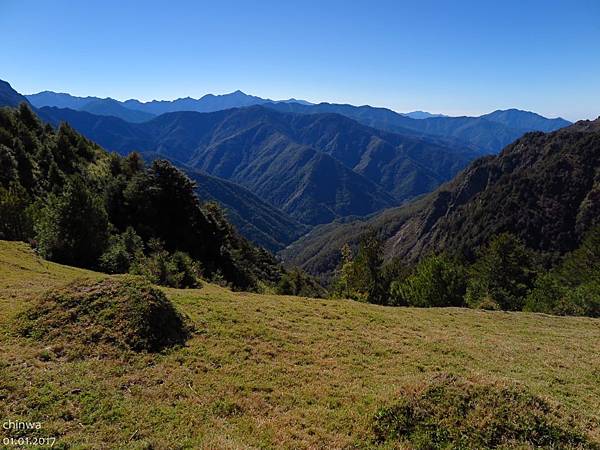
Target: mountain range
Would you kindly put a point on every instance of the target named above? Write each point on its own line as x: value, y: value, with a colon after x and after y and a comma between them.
x: 207, y: 103
x: 316, y: 168
x: 486, y: 134
x: 136, y: 111
x: 544, y: 188
x: 280, y: 168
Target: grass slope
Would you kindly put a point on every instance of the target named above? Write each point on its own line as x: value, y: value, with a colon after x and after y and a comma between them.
x: 265, y: 371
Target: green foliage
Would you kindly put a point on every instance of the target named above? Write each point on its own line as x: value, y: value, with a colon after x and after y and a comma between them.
x: 73, y: 227
x: 15, y: 217
x: 503, y: 275
x: 123, y: 312
x: 80, y: 202
x: 176, y: 270
x: 342, y: 284
x: 122, y: 250
x: 583, y: 264
x: 8, y: 166
x: 436, y: 281
x: 573, y: 288
x: 451, y: 412
x: 359, y: 277
x: 546, y: 294
x: 584, y: 300
x: 298, y: 283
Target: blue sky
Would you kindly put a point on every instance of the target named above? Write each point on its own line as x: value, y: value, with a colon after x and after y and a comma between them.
x: 455, y: 57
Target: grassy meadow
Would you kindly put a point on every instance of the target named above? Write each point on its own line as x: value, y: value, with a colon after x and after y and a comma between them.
x: 267, y: 371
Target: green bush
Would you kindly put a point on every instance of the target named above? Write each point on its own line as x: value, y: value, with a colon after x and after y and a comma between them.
x: 122, y: 251
x: 436, y: 281
x: 573, y: 288
x: 546, y: 294
x: 176, y: 270
x: 584, y: 300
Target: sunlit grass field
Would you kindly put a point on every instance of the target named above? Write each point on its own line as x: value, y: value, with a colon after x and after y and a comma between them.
x: 266, y: 371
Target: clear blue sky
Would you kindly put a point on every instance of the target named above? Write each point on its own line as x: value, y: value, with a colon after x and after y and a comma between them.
x: 454, y: 57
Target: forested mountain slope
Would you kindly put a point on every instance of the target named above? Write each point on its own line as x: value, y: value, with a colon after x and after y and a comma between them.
x: 544, y: 188
x: 316, y: 168
x: 80, y: 205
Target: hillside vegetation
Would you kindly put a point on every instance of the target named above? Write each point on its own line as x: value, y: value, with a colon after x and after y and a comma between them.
x: 543, y: 188
x: 82, y: 206
x: 264, y: 371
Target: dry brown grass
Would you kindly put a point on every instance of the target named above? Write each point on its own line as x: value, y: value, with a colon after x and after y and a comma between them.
x: 266, y: 371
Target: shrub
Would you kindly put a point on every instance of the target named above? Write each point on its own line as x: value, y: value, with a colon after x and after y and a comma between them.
x: 573, y: 288
x: 119, y: 312
x: 122, y: 250
x: 583, y: 264
x: 546, y: 294
x: 176, y: 270
x: 450, y: 412
x: 584, y: 300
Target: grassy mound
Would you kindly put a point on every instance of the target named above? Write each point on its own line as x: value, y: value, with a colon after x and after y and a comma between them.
x: 123, y: 312
x: 450, y: 412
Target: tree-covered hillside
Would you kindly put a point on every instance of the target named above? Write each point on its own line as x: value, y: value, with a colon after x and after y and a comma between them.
x: 82, y: 206
x: 544, y: 188
x: 314, y: 167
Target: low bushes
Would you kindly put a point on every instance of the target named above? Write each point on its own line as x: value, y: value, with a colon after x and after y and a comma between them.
x: 450, y: 412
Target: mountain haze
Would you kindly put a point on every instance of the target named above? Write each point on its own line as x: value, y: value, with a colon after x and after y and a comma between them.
x: 316, y: 168
x: 146, y: 110
x: 483, y: 134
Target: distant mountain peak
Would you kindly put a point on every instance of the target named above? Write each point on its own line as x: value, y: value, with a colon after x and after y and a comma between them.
x: 422, y: 115
x: 10, y: 97
x: 525, y: 120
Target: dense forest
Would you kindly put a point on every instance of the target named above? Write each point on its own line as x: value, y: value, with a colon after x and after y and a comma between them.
x: 79, y: 205
x: 504, y: 275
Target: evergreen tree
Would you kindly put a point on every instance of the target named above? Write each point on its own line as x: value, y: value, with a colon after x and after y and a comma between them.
x: 359, y: 277
x: 503, y: 275
x: 15, y: 219
x: 436, y: 281
x: 73, y: 227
